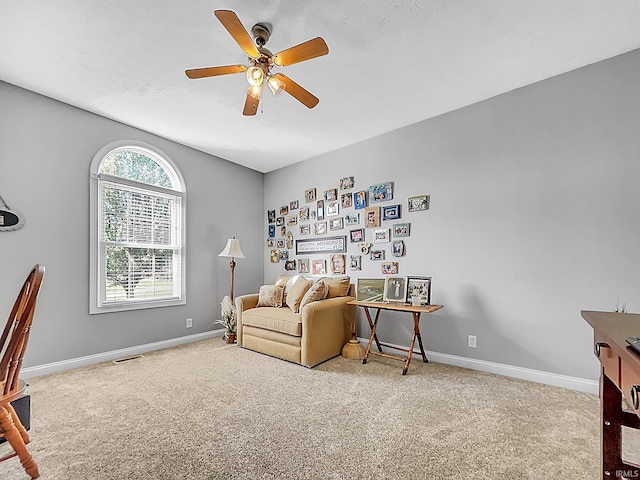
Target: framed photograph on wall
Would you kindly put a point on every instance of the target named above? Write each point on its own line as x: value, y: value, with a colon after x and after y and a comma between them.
x: 370, y: 290
x: 346, y: 183
x: 391, y: 212
x: 397, y: 248
x: 401, y: 229
x: 310, y: 195
x: 320, y: 228
x: 336, y: 224
x: 346, y: 200
x: 271, y: 216
x: 280, y: 243
x: 331, y: 195
x: 419, y: 287
x: 305, y: 229
x: 290, y: 265
x: 357, y: 235
x: 271, y: 232
x: 338, y: 264
x: 381, y: 192
x: 303, y: 265
x: 280, y: 221
x: 355, y: 262
x: 395, y: 289
x: 352, y: 219
x: 293, y: 205
x: 372, y: 217
x: 389, y: 268
x: 319, y: 267
x: 332, y: 208
x: 360, y: 199
x: 381, y: 235
x: 303, y: 214
x: 418, y: 203
x: 377, y: 255
x: 284, y: 210
x: 320, y: 209
x: 274, y: 256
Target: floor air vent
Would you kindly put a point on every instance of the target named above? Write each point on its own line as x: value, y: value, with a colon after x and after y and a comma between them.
x: 126, y: 359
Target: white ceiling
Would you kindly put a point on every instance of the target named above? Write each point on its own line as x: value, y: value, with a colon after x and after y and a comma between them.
x: 391, y: 63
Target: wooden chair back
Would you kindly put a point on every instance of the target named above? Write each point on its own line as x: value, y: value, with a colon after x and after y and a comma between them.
x: 13, y: 342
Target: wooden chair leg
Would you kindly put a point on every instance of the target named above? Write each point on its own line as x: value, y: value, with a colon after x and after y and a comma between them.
x: 13, y: 436
x: 16, y: 421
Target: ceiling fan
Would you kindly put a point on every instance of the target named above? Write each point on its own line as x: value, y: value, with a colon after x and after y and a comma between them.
x: 261, y: 61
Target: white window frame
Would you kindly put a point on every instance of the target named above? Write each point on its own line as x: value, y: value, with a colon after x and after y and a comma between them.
x: 96, y: 261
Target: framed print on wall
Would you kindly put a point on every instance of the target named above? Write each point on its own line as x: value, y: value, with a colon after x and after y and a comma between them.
x: 360, y: 199
x: 381, y: 235
x: 290, y: 265
x: 303, y: 214
x: 320, y: 228
x: 305, y: 229
x: 284, y: 210
x: 320, y: 209
x: 331, y: 195
x: 352, y: 219
x: 377, y: 255
x: 370, y: 290
x: 338, y: 264
x: 355, y: 262
x: 389, y: 268
x: 372, y: 217
x: 303, y: 265
x: 319, y: 267
x: 332, y: 208
x: 336, y: 224
x: 381, y: 192
x: 419, y: 287
x: 271, y: 216
x: 357, y: 235
x: 310, y: 195
x: 346, y: 200
x: 391, y: 212
x: 395, y: 289
x: 401, y: 229
x: 293, y: 205
x: 418, y: 203
x: 397, y: 248
x: 346, y: 183
x: 274, y: 256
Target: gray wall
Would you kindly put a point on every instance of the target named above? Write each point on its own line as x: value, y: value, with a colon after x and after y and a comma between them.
x: 46, y: 148
x: 534, y: 203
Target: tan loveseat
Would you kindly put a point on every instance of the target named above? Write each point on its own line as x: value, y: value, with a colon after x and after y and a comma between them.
x: 314, y: 334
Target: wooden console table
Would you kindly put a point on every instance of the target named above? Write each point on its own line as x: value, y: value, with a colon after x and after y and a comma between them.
x: 398, y: 307
x: 619, y: 377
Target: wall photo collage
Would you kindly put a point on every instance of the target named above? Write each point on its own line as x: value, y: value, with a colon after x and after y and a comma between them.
x: 322, y: 227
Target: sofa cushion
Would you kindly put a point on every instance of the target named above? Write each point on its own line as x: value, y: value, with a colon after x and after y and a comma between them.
x: 338, y: 286
x: 318, y: 291
x: 281, y: 320
x: 296, y: 293
x: 270, y: 296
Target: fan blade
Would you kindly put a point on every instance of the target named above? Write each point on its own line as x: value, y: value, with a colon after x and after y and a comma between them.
x: 252, y: 101
x: 305, y: 51
x: 297, y: 92
x: 214, y: 71
x: 232, y: 23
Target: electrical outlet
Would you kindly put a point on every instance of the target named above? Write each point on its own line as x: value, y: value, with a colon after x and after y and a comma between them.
x: 189, y: 322
x: 472, y: 341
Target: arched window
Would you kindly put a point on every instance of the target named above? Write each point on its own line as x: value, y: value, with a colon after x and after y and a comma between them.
x: 137, y: 229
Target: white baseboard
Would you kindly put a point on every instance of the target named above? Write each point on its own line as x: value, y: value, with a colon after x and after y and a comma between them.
x: 538, y: 376
x: 46, y: 369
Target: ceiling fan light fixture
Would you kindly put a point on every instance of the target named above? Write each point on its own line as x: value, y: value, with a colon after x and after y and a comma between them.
x: 255, y: 91
x: 276, y: 85
x: 255, y: 76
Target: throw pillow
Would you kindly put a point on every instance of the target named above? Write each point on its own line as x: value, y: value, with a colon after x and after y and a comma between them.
x: 338, y: 286
x: 318, y: 291
x: 270, y: 296
x: 295, y: 295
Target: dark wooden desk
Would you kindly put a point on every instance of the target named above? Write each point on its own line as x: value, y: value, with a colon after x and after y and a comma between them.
x: 398, y: 307
x: 619, y: 377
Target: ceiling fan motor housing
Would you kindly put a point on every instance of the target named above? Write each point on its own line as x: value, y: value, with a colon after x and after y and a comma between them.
x: 261, y: 33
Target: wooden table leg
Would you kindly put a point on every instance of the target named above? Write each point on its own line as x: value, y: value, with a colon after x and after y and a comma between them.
x: 373, y: 325
x: 416, y: 326
x: 610, y: 427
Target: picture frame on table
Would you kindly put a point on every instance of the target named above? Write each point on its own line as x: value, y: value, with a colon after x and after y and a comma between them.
x: 401, y: 229
x: 418, y: 203
x: 336, y: 224
x: 310, y: 195
x: 360, y: 200
x: 319, y: 267
x: 391, y: 212
x: 370, y: 290
x: 381, y: 192
x: 356, y: 235
x: 395, y: 289
x: 419, y: 286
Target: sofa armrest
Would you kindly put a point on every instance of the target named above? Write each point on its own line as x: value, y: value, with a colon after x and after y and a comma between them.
x: 326, y: 327
x: 243, y: 303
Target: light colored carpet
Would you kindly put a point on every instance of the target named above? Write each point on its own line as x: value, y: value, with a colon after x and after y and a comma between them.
x: 207, y: 411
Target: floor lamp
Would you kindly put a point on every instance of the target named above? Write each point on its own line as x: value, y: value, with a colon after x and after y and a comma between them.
x: 232, y: 249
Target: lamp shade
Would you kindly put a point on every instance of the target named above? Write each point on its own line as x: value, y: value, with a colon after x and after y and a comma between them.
x: 232, y: 249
